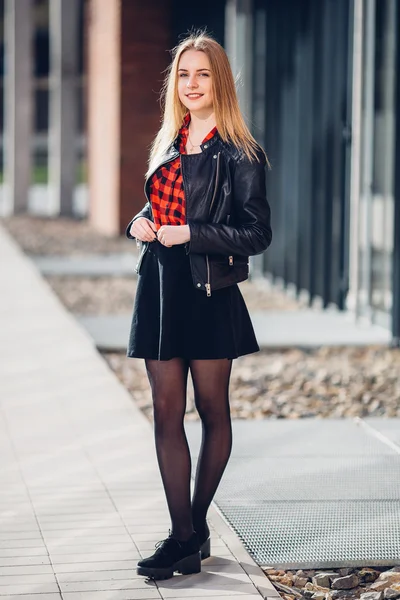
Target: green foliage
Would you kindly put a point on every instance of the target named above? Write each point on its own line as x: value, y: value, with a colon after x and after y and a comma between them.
x: 40, y: 174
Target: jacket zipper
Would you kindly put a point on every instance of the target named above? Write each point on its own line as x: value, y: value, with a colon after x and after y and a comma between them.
x: 208, y: 284
x: 139, y: 262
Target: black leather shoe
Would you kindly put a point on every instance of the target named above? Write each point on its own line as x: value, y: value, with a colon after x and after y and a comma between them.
x: 172, y: 555
x: 203, y: 533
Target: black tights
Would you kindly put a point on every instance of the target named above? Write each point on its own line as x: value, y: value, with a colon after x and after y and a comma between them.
x: 168, y: 381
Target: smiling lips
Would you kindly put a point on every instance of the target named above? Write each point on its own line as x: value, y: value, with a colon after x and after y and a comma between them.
x: 193, y: 96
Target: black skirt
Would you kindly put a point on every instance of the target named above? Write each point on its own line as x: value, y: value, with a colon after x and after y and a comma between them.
x: 171, y: 318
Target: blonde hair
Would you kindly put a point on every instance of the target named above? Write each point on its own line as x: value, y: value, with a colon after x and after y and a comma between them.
x: 229, y: 120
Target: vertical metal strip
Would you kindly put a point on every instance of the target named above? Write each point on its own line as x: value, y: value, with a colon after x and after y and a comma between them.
x: 354, y: 242
x: 328, y: 108
x: 306, y: 110
x: 320, y: 26
x: 342, y: 101
x: 396, y: 242
x: 390, y: 43
x: 347, y: 135
x: 367, y: 163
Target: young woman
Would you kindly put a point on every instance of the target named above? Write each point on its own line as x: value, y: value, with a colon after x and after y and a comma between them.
x: 206, y: 213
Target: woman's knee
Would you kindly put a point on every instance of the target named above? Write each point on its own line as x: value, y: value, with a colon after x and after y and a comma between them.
x: 211, y: 411
x: 167, y: 412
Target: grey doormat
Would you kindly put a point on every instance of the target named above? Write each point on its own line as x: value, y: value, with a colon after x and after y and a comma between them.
x: 313, y: 493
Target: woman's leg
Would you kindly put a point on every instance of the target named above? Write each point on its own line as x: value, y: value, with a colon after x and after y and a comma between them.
x: 211, y: 392
x: 168, y: 381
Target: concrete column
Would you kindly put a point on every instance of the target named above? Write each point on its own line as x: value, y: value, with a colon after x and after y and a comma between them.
x: 17, y: 105
x: 128, y: 42
x: 63, y: 103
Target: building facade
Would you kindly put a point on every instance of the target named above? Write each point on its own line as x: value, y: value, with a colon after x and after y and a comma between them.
x: 323, y: 99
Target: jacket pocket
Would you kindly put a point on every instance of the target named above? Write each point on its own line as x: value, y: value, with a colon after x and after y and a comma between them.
x: 224, y: 274
x: 238, y: 260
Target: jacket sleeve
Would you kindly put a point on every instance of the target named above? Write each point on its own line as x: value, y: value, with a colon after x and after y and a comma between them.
x: 145, y: 212
x: 251, y: 234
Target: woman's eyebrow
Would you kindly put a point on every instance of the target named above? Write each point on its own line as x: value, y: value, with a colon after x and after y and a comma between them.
x: 196, y: 69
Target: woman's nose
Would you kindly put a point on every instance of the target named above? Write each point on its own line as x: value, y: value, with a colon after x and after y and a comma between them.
x: 191, y: 82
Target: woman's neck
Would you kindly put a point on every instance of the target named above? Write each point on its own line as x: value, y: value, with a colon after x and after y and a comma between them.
x: 201, y: 125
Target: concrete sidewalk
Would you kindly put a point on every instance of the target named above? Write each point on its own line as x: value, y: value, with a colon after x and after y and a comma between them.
x: 81, y: 497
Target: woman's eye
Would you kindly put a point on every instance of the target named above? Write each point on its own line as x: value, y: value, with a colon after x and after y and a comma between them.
x: 200, y: 74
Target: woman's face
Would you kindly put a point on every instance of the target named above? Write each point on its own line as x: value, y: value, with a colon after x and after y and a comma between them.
x: 194, y: 82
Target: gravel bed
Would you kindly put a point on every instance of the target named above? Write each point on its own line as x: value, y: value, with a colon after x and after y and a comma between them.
x: 95, y: 296
x: 115, y: 295
x: 364, y: 583
x: 61, y: 236
x: 289, y: 383
x: 294, y: 383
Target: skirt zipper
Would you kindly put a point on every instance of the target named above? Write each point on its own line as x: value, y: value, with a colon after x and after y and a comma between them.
x: 208, y: 284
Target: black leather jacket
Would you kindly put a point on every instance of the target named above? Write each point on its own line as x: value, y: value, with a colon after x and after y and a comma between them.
x: 226, y: 209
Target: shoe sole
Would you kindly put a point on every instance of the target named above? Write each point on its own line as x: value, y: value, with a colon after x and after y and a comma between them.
x: 186, y: 566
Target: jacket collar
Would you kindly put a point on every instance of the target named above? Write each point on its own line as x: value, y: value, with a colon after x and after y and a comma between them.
x: 208, y: 144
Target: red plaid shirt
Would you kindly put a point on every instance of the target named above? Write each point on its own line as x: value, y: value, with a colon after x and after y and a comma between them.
x: 166, y: 186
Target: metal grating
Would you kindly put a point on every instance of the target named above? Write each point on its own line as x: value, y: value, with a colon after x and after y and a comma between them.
x: 318, y: 535
x: 311, y: 493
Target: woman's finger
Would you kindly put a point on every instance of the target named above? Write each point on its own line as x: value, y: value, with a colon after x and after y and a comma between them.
x: 141, y: 233
x: 149, y: 230
x: 142, y: 230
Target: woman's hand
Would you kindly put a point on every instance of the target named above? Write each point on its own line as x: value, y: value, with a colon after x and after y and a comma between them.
x: 143, y: 229
x: 170, y: 235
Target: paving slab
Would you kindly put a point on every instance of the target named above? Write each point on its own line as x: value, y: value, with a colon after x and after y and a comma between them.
x: 311, y: 328
x: 71, y: 433
x: 274, y: 329
x: 35, y: 596
x: 96, y: 265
